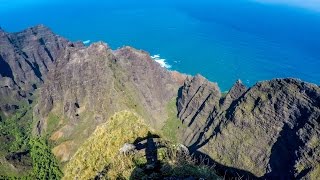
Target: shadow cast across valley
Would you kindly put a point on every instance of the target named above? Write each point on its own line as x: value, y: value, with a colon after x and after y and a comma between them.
x: 284, y: 151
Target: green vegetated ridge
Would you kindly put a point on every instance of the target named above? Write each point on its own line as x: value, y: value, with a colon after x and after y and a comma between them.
x: 45, y: 166
x: 99, y: 155
x: 173, y: 123
x: 100, y: 150
x: 22, y: 155
x: 15, y: 133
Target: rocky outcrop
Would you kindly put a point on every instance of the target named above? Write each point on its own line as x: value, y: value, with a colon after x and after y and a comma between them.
x: 25, y: 59
x: 237, y: 90
x: 270, y: 130
x: 198, y: 101
x: 154, y: 85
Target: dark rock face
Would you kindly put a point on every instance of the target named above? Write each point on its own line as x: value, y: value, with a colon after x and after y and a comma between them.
x: 237, y: 90
x: 199, y: 100
x: 155, y: 86
x: 270, y: 130
x: 25, y: 59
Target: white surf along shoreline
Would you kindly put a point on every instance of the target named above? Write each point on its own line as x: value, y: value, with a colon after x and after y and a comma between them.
x: 161, y: 61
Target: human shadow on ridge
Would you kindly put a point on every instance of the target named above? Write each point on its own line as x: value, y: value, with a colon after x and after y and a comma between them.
x: 161, y: 167
x: 156, y: 169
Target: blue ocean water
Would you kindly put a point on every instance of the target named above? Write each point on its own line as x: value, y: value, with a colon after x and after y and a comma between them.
x: 222, y: 40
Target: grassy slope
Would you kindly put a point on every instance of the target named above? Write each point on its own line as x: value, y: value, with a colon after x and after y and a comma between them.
x: 173, y: 124
x: 315, y: 173
x: 101, y: 148
x: 99, y: 153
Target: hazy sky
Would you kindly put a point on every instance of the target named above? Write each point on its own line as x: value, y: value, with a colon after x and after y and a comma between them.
x: 308, y: 4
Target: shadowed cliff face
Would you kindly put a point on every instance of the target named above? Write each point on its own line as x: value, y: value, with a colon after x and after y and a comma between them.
x: 199, y: 99
x: 25, y: 59
x: 270, y: 130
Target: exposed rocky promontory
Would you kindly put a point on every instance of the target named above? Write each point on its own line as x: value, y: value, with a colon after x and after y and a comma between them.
x: 270, y: 130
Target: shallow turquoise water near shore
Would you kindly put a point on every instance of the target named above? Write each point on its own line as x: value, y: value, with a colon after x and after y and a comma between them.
x: 222, y: 41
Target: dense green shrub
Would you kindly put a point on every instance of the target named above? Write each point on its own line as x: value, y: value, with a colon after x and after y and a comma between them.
x: 45, y: 165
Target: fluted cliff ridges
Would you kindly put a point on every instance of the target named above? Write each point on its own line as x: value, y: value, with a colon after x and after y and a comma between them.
x: 270, y: 130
